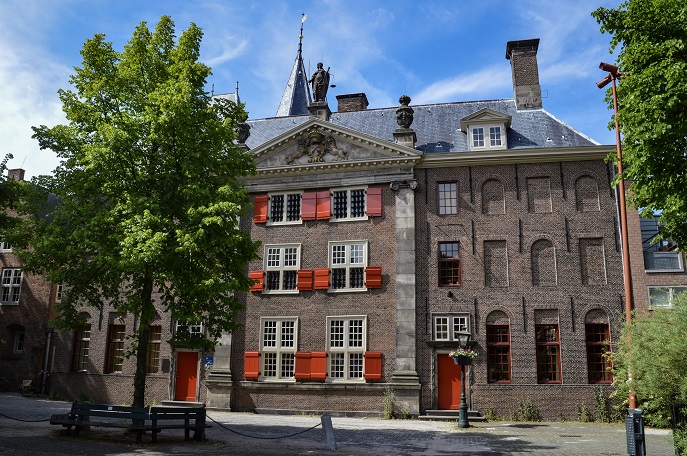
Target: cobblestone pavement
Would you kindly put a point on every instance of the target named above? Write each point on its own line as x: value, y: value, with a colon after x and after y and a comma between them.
x: 273, y: 435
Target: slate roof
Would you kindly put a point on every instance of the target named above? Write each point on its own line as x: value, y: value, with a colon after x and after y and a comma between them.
x: 437, y: 126
x: 296, y: 96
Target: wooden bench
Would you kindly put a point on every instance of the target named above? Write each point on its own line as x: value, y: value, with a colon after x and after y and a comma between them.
x: 139, y: 419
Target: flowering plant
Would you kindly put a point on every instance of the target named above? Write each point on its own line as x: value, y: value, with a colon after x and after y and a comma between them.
x: 463, y: 353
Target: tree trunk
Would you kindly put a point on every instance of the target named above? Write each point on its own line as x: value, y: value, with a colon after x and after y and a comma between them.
x: 147, y: 314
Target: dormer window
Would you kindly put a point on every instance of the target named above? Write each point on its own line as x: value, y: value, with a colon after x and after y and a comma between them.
x: 486, y: 129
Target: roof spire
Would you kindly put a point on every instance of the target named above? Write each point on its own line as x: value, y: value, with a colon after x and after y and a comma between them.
x: 296, y: 97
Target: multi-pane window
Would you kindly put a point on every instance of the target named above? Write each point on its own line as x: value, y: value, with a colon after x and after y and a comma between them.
x: 478, y: 137
x: 447, y: 193
x: 498, y: 354
x: 5, y: 246
x: 664, y: 296
x: 347, y: 261
x: 153, y: 356
x: 58, y: 293
x: 495, y: 136
x: 11, y: 286
x: 598, y: 364
x: 348, y: 204
x: 346, y: 339
x: 447, y: 327
x: 278, y: 347
x: 281, y: 267
x: 82, y: 342
x: 285, y: 208
x: 449, y: 264
x: 115, y: 349
x: 548, y: 354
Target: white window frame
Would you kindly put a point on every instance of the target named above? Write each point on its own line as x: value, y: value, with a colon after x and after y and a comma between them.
x: 192, y: 329
x: 280, y: 267
x: 10, y: 286
x: 492, y: 136
x: 19, y: 341
x: 671, y: 290
x: 348, y: 216
x: 335, y: 262
x: 285, y: 195
x: 281, y: 348
x: 445, y: 327
x: 58, y: 293
x: 5, y: 246
x: 352, y: 349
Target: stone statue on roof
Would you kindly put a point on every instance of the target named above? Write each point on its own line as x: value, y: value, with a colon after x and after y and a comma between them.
x: 320, y: 83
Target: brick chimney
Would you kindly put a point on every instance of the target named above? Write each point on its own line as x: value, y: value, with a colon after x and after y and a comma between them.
x: 352, y: 102
x: 16, y: 174
x: 523, y: 62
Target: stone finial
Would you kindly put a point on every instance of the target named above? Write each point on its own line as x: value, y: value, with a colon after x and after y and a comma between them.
x: 404, y: 114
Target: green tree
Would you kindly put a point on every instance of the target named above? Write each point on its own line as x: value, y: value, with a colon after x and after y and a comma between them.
x: 8, y: 197
x: 652, y: 38
x: 144, y: 206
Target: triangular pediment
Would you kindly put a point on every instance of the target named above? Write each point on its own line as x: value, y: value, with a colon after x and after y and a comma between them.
x: 319, y: 146
x: 485, y: 116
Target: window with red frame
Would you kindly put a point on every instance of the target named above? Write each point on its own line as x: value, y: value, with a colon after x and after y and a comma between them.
x: 449, y: 264
x: 153, y: 356
x: 115, y: 349
x: 548, y: 354
x: 498, y: 353
x: 82, y: 342
x: 598, y: 365
x: 447, y: 195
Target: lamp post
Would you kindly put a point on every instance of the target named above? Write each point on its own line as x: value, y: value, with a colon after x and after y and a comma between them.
x: 463, y: 339
x: 611, y: 77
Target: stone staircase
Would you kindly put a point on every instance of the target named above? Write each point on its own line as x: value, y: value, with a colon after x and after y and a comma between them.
x: 450, y: 415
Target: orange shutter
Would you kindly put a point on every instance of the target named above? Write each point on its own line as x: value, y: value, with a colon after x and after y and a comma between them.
x: 374, y: 202
x: 259, y: 276
x: 323, y: 205
x: 302, y: 371
x: 373, y: 366
x: 305, y: 279
x: 318, y: 365
x: 373, y: 277
x: 322, y: 279
x: 260, y: 209
x: 251, y: 365
x: 309, y: 206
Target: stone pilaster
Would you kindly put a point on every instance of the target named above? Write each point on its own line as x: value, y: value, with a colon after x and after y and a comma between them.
x: 219, y: 384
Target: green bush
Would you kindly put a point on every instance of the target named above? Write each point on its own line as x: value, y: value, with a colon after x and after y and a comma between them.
x: 583, y: 414
x: 529, y: 411
x: 388, y: 404
x: 491, y: 415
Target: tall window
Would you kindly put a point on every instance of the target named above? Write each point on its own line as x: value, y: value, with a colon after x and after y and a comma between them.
x: 346, y: 339
x: 598, y: 343
x: 285, y: 207
x: 153, y: 356
x: 82, y: 342
x: 347, y: 261
x: 115, y: 348
x: 11, y: 285
x: 548, y: 354
x: 348, y: 204
x: 447, y: 194
x: 58, y: 293
x: 498, y: 353
x: 281, y: 267
x: 494, y: 136
x: 449, y: 264
x: 18, y: 343
x: 279, y: 347
x: 447, y: 327
x: 478, y: 137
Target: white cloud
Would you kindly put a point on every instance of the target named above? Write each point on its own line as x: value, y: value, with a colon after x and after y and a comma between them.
x: 487, y: 80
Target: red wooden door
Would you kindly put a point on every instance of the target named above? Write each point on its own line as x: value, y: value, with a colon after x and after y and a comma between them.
x: 187, y: 376
x: 449, y: 383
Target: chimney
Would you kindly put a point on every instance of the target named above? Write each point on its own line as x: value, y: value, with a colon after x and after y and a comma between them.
x: 352, y: 102
x: 16, y: 174
x: 523, y: 62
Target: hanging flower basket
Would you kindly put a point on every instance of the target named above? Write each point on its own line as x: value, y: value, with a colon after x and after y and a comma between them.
x: 462, y: 361
x: 463, y: 356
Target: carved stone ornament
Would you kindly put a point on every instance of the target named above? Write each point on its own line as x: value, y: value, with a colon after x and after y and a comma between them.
x: 404, y: 114
x: 242, y: 132
x: 397, y: 185
x: 315, y: 145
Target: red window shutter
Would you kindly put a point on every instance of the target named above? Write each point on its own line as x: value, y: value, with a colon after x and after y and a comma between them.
x: 260, y: 277
x: 251, y: 365
x: 322, y: 279
x: 373, y: 366
x: 323, y: 205
x: 305, y: 280
x: 374, y: 202
x: 373, y: 277
x: 302, y: 371
x: 318, y: 365
x: 260, y: 209
x: 309, y: 206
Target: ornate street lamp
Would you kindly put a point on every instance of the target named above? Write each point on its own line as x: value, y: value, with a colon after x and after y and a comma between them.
x: 463, y: 339
x: 612, y: 76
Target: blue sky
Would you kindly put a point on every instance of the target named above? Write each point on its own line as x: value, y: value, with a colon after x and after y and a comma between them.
x: 433, y: 50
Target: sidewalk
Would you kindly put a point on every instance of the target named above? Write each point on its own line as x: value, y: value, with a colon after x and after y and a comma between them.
x: 257, y: 435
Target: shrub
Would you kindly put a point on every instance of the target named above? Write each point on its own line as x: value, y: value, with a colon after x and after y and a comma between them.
x: 529, y: 411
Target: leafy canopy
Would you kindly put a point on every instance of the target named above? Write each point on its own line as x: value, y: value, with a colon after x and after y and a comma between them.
x: 652, y: 96
x: 142, y: 212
